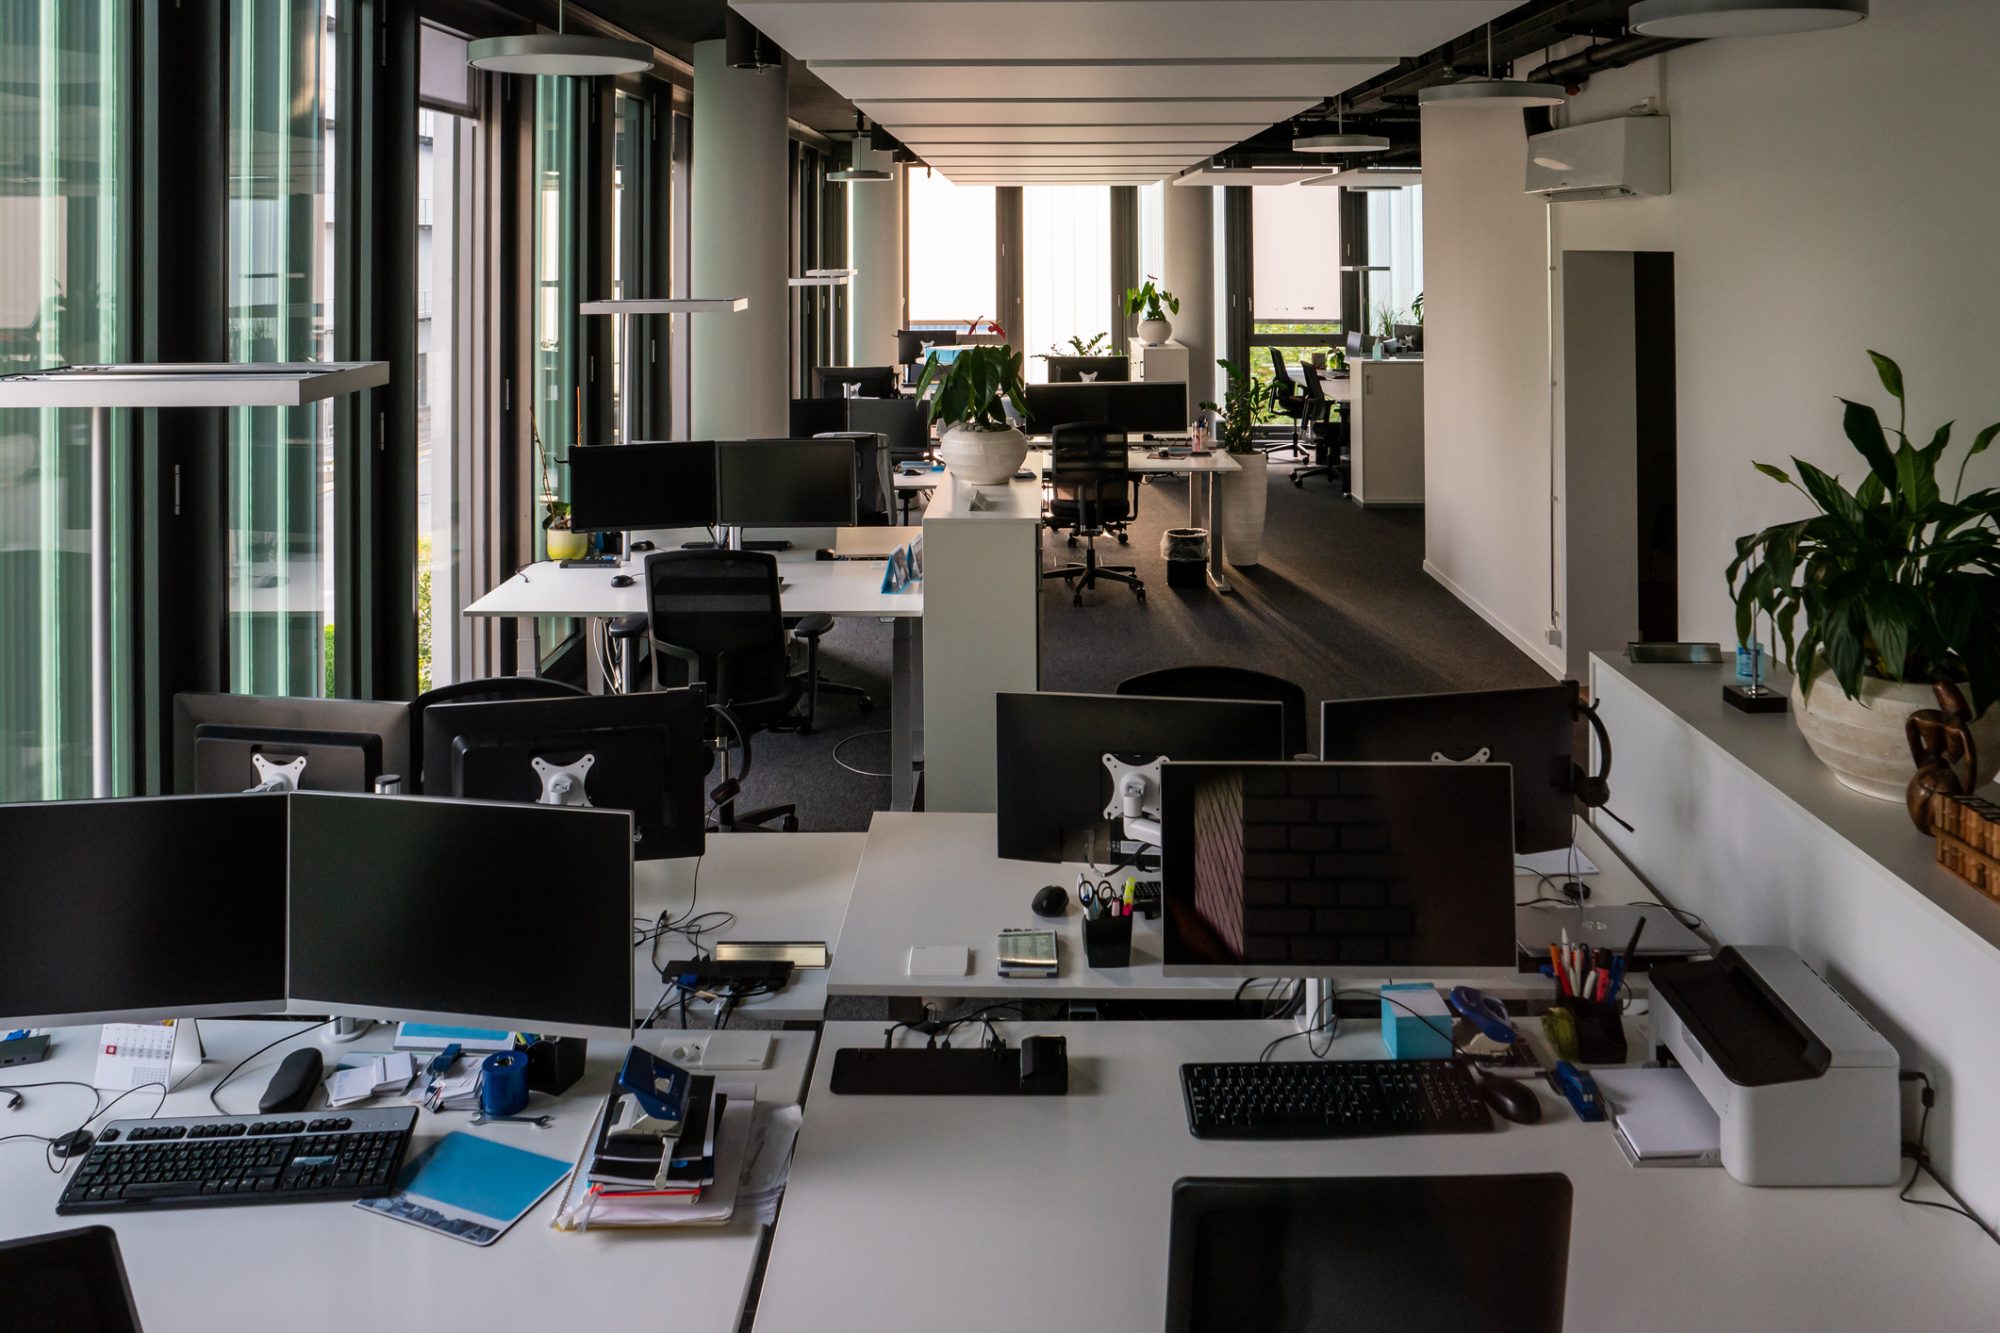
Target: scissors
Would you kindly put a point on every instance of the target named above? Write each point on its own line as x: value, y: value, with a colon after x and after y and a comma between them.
x: 1484, y: 1012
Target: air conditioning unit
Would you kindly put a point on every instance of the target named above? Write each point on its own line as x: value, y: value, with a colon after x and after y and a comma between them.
x: 1623, y: 158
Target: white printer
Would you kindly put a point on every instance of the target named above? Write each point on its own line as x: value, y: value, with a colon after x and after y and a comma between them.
x: 1805, y: 1087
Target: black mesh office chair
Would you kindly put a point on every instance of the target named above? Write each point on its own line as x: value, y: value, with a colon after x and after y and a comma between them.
x: 1227, y: 682
x: 492, y: 689
x: 714, y: 619
x: 1328, y: 438
x: 1290, y: 402
x: 66, y: 1282
x: 1090, y: 480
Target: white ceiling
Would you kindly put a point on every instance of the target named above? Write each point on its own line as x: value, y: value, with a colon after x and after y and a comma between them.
x: 1119, y: 90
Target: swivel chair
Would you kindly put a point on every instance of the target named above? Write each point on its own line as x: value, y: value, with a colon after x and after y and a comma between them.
x: 1090, y: 480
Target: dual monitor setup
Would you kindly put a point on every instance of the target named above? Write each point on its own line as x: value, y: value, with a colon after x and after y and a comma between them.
x: 736, y: 484
x: 1394, y: 849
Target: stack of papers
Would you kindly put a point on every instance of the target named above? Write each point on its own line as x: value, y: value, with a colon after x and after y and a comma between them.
x: 370, y: 1076
x: 456, y: 1091
x: 771, y: 1141
x: 1660, y: 1117
x: 691, y: 1179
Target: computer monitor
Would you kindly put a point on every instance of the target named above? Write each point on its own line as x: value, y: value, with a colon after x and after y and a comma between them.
x: 1139, y: 407
x: 786, y: 483
x: 869, y: 381
x: 1489, y: 1252
x: 645, y: 484
x: 1533, y: 728
x: 498, y: 916
x: 1054, y: 785
x: 1312, y: 869
x: 346, y: 743
x: 911, y: 344
x: 808, y: 417
x: 142, y: 908
x: 1089, y: 369
x: 899, y: 420
x: 646, y: 756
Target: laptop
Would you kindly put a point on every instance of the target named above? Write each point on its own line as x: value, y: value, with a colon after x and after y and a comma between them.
x: 1607, y: 926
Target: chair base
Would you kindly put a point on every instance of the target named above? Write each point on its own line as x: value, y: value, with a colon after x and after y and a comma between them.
x: 1086, y: 576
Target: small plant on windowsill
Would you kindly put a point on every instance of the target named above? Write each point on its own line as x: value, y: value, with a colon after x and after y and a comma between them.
x: 562, y: 543
x: 980, y: 445
x: 1099, y: 345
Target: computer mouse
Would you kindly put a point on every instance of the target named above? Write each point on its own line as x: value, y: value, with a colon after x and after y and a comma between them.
x: 1051, y: 901
x: 1511, y: 1099
x: 621, y: 580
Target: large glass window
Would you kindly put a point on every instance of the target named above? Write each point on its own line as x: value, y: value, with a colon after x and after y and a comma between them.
x: 1153, y: 228
x: 62, y: 212
x: 444, y: 150
x: 951, y: 245
x: 1295, y: 270
x: 1066, y: 271
x: 281, y: 147
x: 1395, y: 239
x: 558, y: 388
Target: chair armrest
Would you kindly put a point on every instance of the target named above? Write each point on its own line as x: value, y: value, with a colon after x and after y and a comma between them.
x: 811, y: 625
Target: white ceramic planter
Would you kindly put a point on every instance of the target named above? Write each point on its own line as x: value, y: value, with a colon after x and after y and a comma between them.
x: 1862, y: 740
x: 1154, y: 332
x: 984, y: 456
x: 1245, y: 494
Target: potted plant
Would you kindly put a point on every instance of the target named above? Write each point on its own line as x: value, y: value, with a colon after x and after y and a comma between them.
x: 561, y: 542
x: 1886, y: 592
x: 1153, y: 326
x: 1099, y: 345
x: 1245, y: 491
x: 980, y: 445
x: 1385, y: 320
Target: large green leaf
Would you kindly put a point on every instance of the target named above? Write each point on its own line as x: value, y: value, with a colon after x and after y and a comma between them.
x: 1826, y: 492
x: 1916, y: 479
x: 1891, y: 373
x: 1864, y: 431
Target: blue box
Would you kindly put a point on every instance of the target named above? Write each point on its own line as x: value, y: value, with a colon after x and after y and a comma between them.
x: 1409, y: 1036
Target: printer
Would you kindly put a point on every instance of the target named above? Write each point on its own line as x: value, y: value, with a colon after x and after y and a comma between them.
x: 1805, y: 1087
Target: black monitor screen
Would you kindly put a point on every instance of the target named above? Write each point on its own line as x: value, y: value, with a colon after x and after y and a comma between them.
x: 911, y: 344
x: 863, y: 381
x: 506, y: 916
x: 1050, y: 752
x: 648, y: 484
x: 1088, y: 369
x: 787, y: 483
x: 1312, y: 867
x: 899, y: 420
x: 346, y: 743
x: 1534, y: 729
x: 1139, y: 407
x: 817, y: 416
x: 1375, y: 1252
x: 153, y: 907
x: 641, y: 753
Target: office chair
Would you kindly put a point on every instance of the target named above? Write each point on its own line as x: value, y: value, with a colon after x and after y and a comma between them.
x: 67, y: 1282
x: 492, y: 689
x: 1227, y: 682
x: 718, y: 616
x: 1289, y: 402
x: 1328, y: 438
x: 1090, y: 479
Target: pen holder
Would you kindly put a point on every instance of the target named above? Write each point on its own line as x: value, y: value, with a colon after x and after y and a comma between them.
x: 1107, y: 941
x: 1599, y: 1029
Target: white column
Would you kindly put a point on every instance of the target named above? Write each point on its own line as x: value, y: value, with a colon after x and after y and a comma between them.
x: 1188, y: 221
x: 875, y: 250
x: 741, y: 222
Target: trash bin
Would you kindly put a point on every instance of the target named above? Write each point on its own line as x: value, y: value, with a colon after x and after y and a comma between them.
x: 1186, y: 552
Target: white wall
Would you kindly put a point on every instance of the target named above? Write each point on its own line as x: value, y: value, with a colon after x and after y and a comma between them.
x: 875, y: 250
x: 1832, y: 193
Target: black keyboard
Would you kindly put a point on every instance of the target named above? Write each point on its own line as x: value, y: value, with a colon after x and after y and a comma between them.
x: 204, y: 1160
x: 1331, y: 1099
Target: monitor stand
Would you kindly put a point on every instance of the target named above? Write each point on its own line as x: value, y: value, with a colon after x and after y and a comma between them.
x: 1320, y: 1000
x: 732, y: 540
x: 348, y: 1029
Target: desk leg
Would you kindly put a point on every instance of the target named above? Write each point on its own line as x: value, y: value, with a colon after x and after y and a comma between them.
x: 527, y: 646
x: 906, y: 711
x: 1194, y: 500
x: 1216, y: 578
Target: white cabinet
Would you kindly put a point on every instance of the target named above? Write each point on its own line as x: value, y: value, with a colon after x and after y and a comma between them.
x: 1166, y: 363
x: 1386, y: 437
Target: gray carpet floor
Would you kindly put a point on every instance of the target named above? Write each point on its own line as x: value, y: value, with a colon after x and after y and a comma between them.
x: 1340, y: 603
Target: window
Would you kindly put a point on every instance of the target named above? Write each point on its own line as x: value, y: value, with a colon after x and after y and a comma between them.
x: 951, y: 249
x: 1395, y: 238
x: 1295, y: 271
x: 280, y: 284
x: 62, y: 292
x: 1066, y: 254
x: 557, y: 394
x: 1153, y: 229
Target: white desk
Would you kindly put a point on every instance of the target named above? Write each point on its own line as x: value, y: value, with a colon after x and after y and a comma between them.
x: 334, y: 1267
x: 917, y: 1213
x: 934, y: 879
x: 779, y: 886
x: 1204, y: 500
x: 833, y: 587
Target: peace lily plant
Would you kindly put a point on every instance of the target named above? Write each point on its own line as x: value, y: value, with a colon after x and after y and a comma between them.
x: 974, y: 389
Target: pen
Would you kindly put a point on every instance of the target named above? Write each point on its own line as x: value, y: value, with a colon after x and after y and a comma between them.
x: 1632, y: 945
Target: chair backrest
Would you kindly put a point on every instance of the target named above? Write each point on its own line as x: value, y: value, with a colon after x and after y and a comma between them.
x: 1227, y: 682
x: 67, y: 1282
x: 490, y: 689
x: 1088, y: 467
x: 1315, y: 392
x: 718, y: 614
x: 1287, y: 387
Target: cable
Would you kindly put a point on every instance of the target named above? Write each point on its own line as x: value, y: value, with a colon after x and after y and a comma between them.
x: 289, y: 1036
x: 860, y: 772
x: 1920, y: 1155
x: 1332, y: 1024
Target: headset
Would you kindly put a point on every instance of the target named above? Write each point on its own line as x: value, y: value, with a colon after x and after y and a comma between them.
x: 1593, y: 790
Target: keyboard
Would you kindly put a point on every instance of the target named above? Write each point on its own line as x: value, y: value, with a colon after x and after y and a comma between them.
x: 207, y: 1160
x: 1331, y: 1099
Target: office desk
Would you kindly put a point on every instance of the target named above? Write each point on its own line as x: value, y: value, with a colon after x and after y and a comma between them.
x: 334, y: 1267
x: 934, y: 879
x: 1204, y: 500
x: 789, y: 886
x: 988, y: 1213
x: 834, y: 587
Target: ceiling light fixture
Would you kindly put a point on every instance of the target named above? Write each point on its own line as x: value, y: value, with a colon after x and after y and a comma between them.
x: 558, y: 53
x: 1742, y: 18
x: 854, y: 173
x: 743, y: 47
x: 1492, y: 90
x: 1318, y: 139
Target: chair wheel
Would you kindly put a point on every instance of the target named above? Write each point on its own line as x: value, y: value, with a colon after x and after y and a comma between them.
x: 867, y: 705
x: 805, y: 728
x: 1124, y: 539
x: 1072, y: 542
x: 1141, y: 595
x: 790, y: 824
x: 1076, y: 600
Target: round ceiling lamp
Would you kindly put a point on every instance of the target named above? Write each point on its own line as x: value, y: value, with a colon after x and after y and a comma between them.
x: 1695, y: 19
x: 1319, y: 139
x: 559, y: 53
x: 1492, y: 90
x: 855, y: 173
